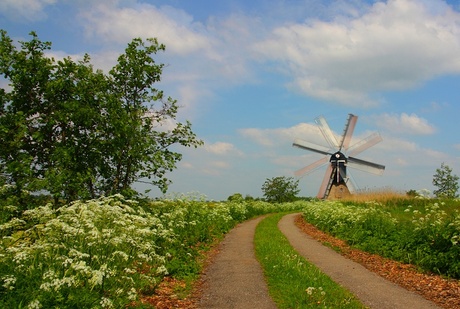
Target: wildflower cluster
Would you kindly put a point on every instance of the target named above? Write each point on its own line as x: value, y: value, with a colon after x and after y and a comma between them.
x: 105, y: 247
x: 427, y: 236
x: 435, y: 236
x: 338, y: 219
x: 105, y: 253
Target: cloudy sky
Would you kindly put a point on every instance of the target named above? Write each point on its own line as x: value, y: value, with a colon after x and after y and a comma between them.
x: 252, y: 76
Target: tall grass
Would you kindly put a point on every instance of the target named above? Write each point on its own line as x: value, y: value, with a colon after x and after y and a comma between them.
x: 383, y: 196
x: 292, y: 281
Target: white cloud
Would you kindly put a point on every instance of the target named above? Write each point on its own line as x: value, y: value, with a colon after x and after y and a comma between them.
x: 173, y: 27
x: 275, y: 137
x: 404, y: 124
x: 220, y: 164
x: 222, y: 148
x: 395, y: 45
x: 392, y: 144
x: 200, y: 57
x: 30, y: 10
x: 187, y: 165
x: 214, y: 168
x: 435, y: 107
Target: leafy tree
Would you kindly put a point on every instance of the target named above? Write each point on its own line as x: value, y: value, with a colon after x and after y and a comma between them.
x: 78, y: 133
x: 236, y: 197
x: 446, y: 182
x: 412, y: 193
x: 280, y: 189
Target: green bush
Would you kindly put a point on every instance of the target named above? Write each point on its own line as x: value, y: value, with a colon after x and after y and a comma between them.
x: 105, y: 253
x: 427, y: 236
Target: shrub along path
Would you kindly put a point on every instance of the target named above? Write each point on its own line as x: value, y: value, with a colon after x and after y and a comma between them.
x: 234, y: 278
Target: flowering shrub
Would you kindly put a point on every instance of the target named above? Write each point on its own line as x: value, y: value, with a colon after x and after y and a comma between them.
x: 435, y: 239
x: 104, y: 253
x: 94, y: 254
x: 428, y: 237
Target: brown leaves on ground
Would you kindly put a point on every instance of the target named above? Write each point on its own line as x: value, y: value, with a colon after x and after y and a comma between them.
x: 444, y: 292
x: 165, y: 296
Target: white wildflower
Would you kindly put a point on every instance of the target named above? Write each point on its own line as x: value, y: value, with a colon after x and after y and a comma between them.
x: 35, y: 304
x: 8, y: 282
x: 162, y: 270
x: 310, y: 290
x: 132, y: 294
x: 106, y: 303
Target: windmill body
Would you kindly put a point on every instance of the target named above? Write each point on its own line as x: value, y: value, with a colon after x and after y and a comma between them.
x: 338, y: 157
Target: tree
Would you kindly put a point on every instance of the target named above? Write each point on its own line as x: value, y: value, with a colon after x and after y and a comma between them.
x: 280, y: 189
x: 446, y: 182
x: 78, y: 133
x: 236, y: 197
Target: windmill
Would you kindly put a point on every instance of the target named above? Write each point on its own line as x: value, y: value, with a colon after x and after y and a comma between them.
x: 340, y: 155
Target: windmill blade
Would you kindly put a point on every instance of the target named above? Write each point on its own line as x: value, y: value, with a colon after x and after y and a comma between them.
x: 348, y: 131
x: 348, y: 181
x: 326, y: 184
x: 312, y: 147
x: 364, y: 144
x: 327, y: 132
x: 352, y: 182
x: 310, y: 168
x: 366, y: 166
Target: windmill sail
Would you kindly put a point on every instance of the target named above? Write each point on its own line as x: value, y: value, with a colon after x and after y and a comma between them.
x: 310, y: 168
x: 336, y: 178
x: 348, y: 131
x: 366, y: 166
x: 312, y: 147
x: 327, y: 132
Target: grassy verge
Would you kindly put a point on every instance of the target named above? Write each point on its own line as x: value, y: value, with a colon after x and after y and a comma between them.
x: 292, y: 281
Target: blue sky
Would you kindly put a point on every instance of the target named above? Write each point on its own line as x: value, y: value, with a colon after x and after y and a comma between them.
x: 252, y: 76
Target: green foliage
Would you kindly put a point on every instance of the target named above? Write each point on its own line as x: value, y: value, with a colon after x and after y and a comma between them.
x: 78, y: 133
x: 109, y: 252
x: 425, y: 234
x: 294, y: 282
x: 237, y: 197
x: 412, y: 193
x: 280, y: 189
x: 446, y: 182
x: 106, y: 249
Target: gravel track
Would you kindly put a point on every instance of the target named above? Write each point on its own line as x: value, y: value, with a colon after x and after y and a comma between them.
x: 373, y: 290
x: 235, y: 279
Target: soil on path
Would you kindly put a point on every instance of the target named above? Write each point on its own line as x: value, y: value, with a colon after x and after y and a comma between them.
x: 235, y: 278
x: 373, y: 290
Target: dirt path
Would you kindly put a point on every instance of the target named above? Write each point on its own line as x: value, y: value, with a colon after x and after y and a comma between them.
x: 235, y: 279
x: 373, y: 290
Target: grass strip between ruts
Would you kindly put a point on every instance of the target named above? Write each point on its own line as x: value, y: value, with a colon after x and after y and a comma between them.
x: 292, y: 281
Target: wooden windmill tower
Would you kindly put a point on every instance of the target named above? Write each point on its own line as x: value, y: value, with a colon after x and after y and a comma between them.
x: 339, y: 156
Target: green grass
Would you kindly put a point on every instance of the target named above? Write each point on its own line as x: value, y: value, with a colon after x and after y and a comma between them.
x: 292, y: 281
x: 425, y: 233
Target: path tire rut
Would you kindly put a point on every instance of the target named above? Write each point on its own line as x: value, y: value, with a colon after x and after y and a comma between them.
x: 235, y: 280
